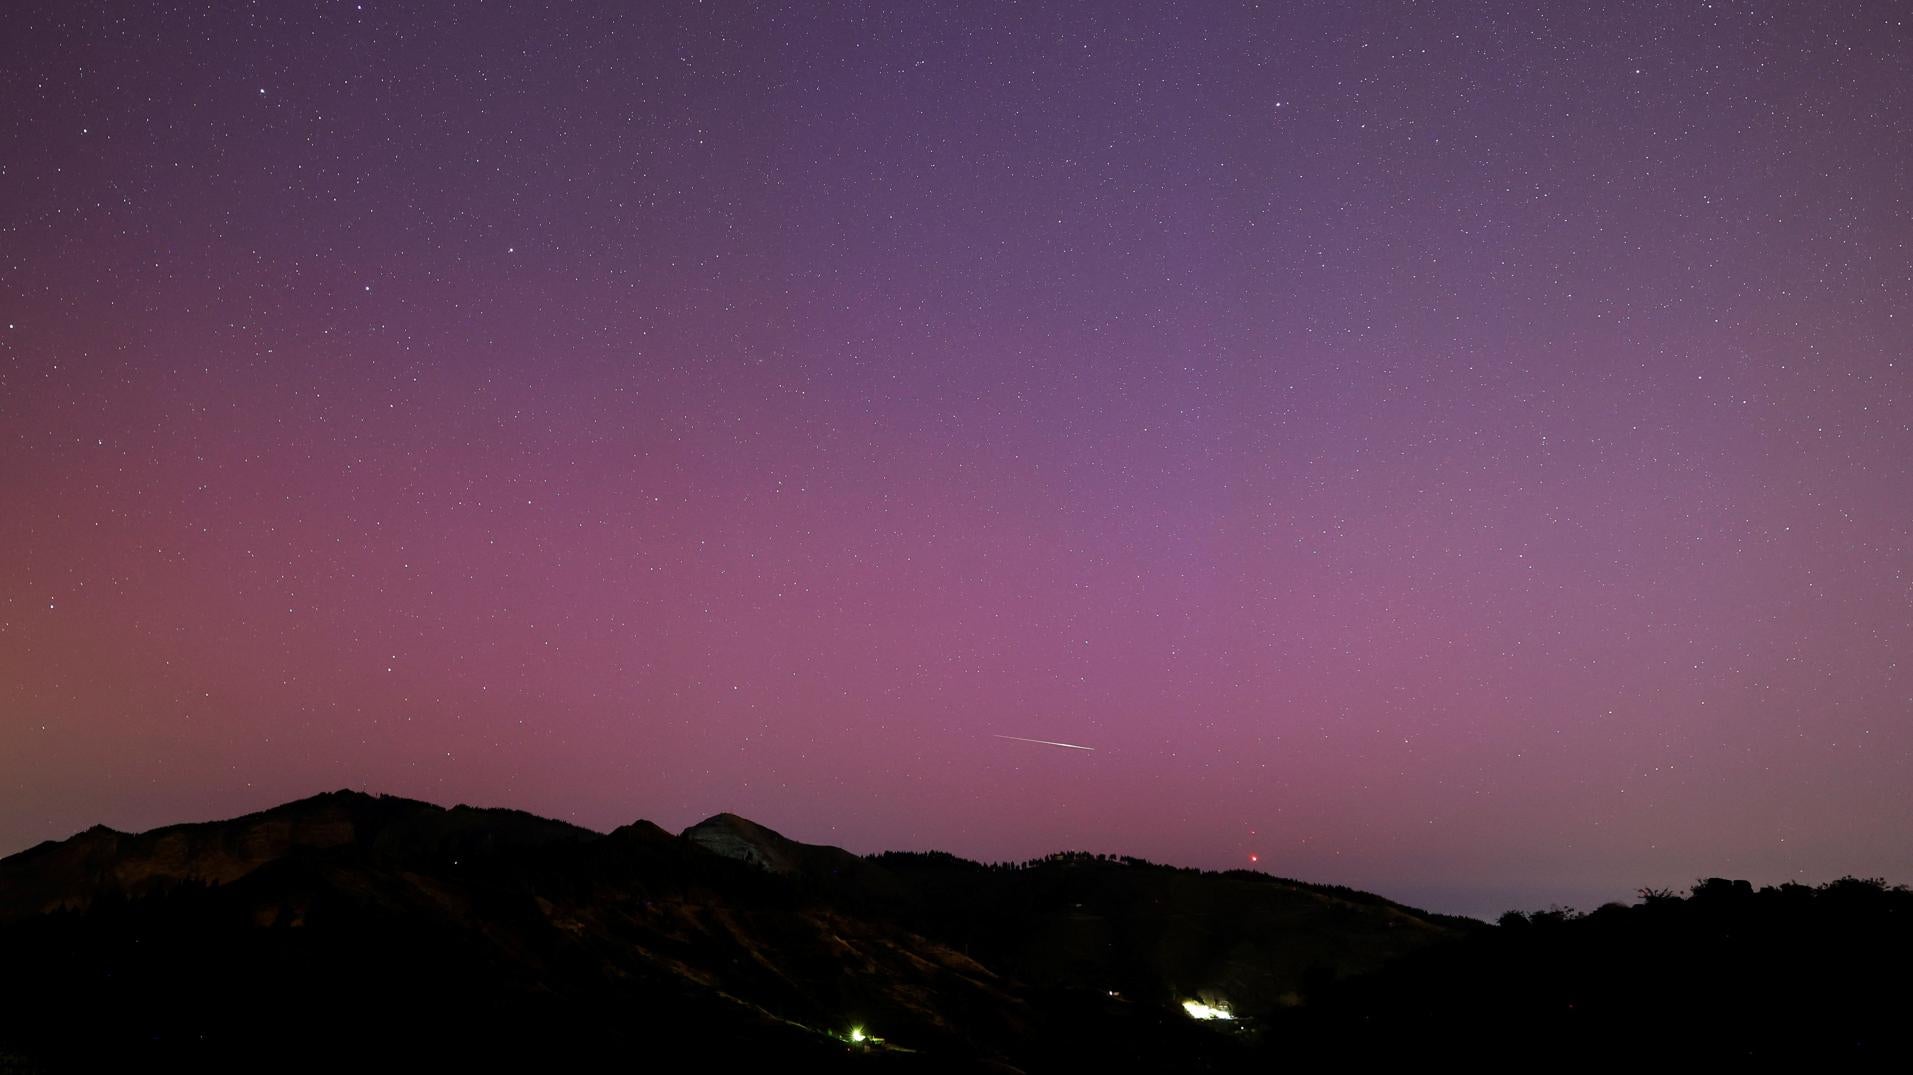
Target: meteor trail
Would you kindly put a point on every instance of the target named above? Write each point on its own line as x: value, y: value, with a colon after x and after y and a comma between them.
x: 1044, y: 742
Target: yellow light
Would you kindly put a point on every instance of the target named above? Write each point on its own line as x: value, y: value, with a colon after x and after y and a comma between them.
x: 857, y: 1034
x: 1199, y: 1010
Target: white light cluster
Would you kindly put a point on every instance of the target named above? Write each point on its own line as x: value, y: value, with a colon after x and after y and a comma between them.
x: 1199, y: 1010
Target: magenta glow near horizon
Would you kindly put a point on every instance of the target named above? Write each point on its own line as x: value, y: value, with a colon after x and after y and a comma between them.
x: 1451, y: 450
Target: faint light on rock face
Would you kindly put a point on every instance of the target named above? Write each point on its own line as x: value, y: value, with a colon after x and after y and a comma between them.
x: 1198, y: 1010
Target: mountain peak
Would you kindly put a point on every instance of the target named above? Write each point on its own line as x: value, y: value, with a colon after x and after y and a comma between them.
x: 745, y: 840
x: 642, y: 831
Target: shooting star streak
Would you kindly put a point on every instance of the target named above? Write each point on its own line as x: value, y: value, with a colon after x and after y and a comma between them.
x: 1044, y: 742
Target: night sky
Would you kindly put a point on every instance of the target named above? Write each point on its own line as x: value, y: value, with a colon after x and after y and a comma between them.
x: 1458, y: 450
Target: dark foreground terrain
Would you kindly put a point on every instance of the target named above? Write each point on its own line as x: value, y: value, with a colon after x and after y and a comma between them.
x: 355, y: 932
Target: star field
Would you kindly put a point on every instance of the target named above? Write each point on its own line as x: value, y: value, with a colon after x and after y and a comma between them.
x: 1468, y: 446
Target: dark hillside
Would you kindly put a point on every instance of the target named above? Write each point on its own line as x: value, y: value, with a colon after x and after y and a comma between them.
x: 348, y: 930
x: 1788, y: 974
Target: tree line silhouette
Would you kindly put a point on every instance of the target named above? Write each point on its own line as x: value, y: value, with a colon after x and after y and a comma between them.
x: 1729, y: 972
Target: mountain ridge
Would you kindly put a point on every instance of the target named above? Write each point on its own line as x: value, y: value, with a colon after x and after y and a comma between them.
x: 317, y: 933
x: 729, y: 927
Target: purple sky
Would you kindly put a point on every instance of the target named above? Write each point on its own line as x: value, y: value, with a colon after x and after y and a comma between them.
x: 1458, y: 450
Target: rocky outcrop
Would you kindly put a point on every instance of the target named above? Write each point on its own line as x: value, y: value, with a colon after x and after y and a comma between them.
x: 746, y: 841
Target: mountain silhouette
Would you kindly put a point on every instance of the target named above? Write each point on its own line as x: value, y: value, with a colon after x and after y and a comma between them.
x: 424, y: 933
x: 364, y: 932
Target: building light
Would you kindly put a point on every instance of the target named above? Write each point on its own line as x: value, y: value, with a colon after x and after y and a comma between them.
x: 1199, y: 1010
